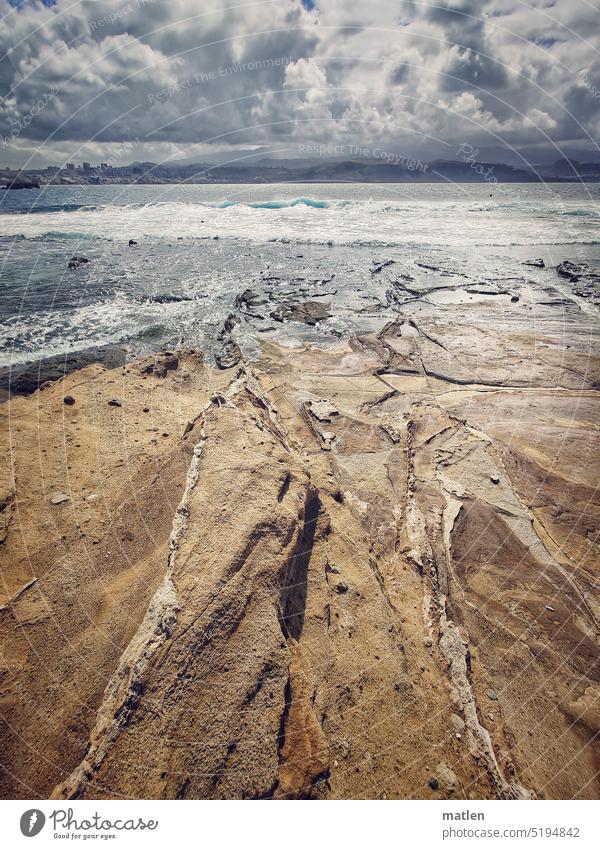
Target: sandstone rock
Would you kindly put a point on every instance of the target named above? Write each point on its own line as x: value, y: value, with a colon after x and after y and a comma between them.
x: 322, y: 410
x: 209, y: 641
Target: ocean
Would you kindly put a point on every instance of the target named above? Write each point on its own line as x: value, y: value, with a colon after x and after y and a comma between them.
x: 199, y: 247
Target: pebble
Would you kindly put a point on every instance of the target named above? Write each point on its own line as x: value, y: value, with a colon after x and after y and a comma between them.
x: 91, y: 498
x: 457, y: 722
x: 59, y: 498
x: 433, y: 783
x: 492, y: 694
x: 69, y: 400
x: 114, y: 403
x: 495, y: 479
x: 342, y: 587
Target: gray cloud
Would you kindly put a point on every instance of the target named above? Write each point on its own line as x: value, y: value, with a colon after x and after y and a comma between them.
x: 176, y: 77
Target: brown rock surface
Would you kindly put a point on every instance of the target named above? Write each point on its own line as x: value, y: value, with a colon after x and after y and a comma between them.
x: 302, y: 577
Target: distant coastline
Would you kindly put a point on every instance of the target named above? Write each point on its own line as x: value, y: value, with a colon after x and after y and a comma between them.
x: 467, y: 170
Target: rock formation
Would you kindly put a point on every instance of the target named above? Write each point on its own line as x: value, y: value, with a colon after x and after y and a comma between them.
x: 362, y: 572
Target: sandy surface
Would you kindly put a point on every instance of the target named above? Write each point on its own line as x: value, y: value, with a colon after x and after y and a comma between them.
x: 369, y: 571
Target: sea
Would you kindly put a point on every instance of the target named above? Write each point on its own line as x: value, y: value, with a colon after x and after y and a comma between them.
x: 198, y: 247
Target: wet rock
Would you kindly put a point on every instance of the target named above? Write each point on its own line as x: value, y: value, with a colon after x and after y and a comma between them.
x: 228, y: 325
x: 308, y: 312
x: 379, y: 266
x: 569, y: 270
x: 77, y: 261
x: 68, y: 400
x: 229, y: 355
x: 114, y: 402
x: 28, y: 377
x: 167, y: 298
x: 535, y: 263
x: 250, y: 301
x: 59, y: 498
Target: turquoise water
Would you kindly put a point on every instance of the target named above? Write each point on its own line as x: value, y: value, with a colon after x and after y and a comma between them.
x: 199, y: 246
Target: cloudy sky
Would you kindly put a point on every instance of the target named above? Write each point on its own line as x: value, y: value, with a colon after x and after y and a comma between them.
x: 120, y: 80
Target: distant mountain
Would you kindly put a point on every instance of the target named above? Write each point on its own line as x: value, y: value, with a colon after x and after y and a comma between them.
x: 338, y: 170
x: 570, y: 169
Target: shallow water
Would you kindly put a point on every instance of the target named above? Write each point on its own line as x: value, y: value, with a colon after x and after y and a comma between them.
x: 200, y: 246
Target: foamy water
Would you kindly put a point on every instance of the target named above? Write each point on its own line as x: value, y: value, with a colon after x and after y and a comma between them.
x: 200, y: 246
x: 373, y: 215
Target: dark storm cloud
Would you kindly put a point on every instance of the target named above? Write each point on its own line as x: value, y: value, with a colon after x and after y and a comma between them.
x: 96, y: 75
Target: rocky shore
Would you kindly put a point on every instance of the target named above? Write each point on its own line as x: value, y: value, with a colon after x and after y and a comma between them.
x: 366, y: 571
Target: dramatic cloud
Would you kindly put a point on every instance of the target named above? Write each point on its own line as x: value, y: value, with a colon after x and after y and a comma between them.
x: 151, y: 79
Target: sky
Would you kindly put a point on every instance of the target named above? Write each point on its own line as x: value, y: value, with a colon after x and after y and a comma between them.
x: 166, y: 80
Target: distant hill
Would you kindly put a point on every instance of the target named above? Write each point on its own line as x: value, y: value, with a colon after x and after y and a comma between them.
x: 359, y: 170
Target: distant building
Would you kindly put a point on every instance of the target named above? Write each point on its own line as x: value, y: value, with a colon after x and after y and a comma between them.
x: 70, y: 166
x: 86, y: 167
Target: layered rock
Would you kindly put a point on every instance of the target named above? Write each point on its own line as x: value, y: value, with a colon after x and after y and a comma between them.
x: 363, y: 572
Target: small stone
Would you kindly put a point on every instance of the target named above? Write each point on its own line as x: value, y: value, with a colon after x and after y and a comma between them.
x: 428, y: 642
x: 433, y: 783
x: 341, y: 588
x: 514, y: 299
x: 92, y: 497
x: 132, y: 242
x: 146, y: 410
x: 59, y: 498
x: 492, y: 695
x: 68, y: 400
x: 327, y: 437
x: 447, y: 777
x: 549, y: 607
x: 457, y: 722
x: 491, y: 716
x: 495, y: 479
x: 114, y: 403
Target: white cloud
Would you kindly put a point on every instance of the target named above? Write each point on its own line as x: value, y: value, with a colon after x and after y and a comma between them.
x: 495, y: 71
